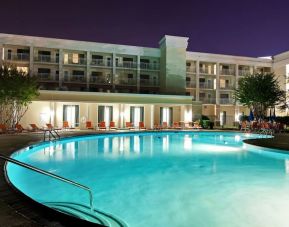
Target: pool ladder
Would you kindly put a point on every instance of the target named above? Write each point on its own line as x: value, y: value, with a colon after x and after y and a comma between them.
x: 93, y: 215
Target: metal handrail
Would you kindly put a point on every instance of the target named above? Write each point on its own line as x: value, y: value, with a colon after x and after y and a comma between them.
x: 27, y: 166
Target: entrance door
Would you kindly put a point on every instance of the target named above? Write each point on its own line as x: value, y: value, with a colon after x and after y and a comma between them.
x: 166, y: 115
x: 105, y: 113
x: 136, y: 115
x: 71, y: 114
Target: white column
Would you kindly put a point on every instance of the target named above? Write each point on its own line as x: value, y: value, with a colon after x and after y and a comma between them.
x: 61, y: 67
x: 88, y: 61
x: 197, y: 81
x: 218, y: 83
x: 113, y: 71
x: 31, y: 61
x: 1, y: 53
x: 152, y: 112
x: 138, y: 75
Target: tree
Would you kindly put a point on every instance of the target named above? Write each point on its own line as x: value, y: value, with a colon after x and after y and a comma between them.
x: 17, y: 90
x: 260, y: 92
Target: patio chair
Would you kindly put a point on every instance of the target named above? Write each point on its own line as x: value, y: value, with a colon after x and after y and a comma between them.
x: 34, y: 128
x: 3, y: 129
x: 89, y: 125
x: 51, y: 127
x: 244, y: 126
x: 141, y: 125
x: 102, y: 125
x: 164, y: 125
x: 128, y: 125
x: 112, y: 125
x: 176, y: 125
x: 19, y: 128
x: 66, y: 125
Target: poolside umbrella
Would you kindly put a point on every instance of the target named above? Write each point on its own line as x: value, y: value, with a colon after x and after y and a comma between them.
x: 251, y: 116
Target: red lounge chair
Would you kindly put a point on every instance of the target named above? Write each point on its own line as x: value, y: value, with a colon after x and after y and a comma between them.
x: 19, y: 128
x: 3, y: 128
x: 51, y: 127
x: 66, y: 125
x: 164, y: 125
x: 128, y: 125
x: 112, y: 125
x: 141, y: 125
x: 89, y: 125
x: 34, y: 128
x: 176, y: 125
x: 102, y: 125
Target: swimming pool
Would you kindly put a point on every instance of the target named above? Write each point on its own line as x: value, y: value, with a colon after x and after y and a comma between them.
x: 163, y: 179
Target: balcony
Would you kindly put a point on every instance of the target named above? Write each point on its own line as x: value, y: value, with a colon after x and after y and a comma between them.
x: 206, y: 85
x: 75, y: 79
x: 226, y: 101
x: 45, y: 59
x: 45, y: 77
x: 207, y: 71
x: 191, y: 69
x: 227, y: 87
x: 101, y: 62
x: 126, y: 81
x: 148, y: 82
x: 126, y: 64
x: 191, y: 84
x: 208, y: 100
x: 149, y: 66
x: 229, y: 72
x: 18, y: 57
x: 244, y: 72
x: 99, y: 80
x: 79, y: 61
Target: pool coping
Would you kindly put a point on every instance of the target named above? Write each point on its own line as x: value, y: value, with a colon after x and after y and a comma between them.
x: 40, y: 215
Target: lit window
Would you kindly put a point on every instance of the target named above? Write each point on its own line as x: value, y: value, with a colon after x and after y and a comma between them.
x: 22, y: 69
x: 75, y: 58
x: 65, y: 58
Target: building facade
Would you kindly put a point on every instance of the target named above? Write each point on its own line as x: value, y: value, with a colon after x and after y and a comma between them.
x: 97, y: 81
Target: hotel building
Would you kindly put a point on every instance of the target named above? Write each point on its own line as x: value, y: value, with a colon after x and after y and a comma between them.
x: 82, y: 81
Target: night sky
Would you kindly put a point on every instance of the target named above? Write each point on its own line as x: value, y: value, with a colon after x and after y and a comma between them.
x: 244, y: 27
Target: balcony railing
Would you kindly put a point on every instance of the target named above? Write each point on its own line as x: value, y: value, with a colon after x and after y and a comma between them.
x: 80, y: 61
x: 228, y: 87
x: 45, y: 77
x: 207, y: 71
x: 45, y: 58
x: 191, y: 84
x: 126, y: 64
x: 206, y: 85
x: 208, y: 100
x: 227, y: 72
x: 226, y: 101
x: 125, y: 81
x: 75, y: 78
x: 191, y: 69
x: 101, y: 62
x: 100, y: 80
x: 18, y: 57
x: 244, y: 72
x: 145, y: 82
x: 149, y: 66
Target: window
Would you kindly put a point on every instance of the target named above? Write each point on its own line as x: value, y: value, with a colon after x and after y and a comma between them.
x: 130, y: 76
x: 188, y: 64
x: 105, y: 113
x: 94, y: 74
x: 57, y: 57
x: 75, y: 58
x: 128, y: 59
x: 202, y: 80
x: 144, y: 77
x: 71, y: 114
x: 77, y: 73
x: 166, y: 115
x: 188, y: 79
x: 9, y: 55
x: 98, y: 57
x: 147, y: 61
x: 22, y: 69
x: 224, y: 96
x: 43, y: 71
x: 136, y: 115
x: 65, y: 58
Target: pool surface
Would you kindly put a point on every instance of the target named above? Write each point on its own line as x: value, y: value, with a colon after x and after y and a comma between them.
x: 165, y: 179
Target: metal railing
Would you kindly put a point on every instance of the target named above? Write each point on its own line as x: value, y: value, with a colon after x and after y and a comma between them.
x: 150, y: 66
x: 101, y: 62
x: 191, y: 84
x: 206, y: 85
x: 52, y: 175
x: 18, y: 56
x: 126, y: 64
x: 207, y: 71
x: 46, y: 58
x: 244, y: 72
x: 230, y: 72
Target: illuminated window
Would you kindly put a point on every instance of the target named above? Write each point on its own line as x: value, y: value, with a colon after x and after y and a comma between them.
x: 65, y: 58
x: 75, y: 58
x: 22, y: 69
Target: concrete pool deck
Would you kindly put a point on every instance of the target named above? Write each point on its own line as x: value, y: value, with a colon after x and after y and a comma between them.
x: 17, y: 211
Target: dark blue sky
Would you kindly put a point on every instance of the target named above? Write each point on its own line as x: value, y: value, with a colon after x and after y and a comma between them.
x: 244, y: 27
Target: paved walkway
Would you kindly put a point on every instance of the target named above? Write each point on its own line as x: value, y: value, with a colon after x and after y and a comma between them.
x: 16, y: 211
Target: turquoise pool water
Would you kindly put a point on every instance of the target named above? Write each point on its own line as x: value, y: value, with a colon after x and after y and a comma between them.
x: 164, y: 179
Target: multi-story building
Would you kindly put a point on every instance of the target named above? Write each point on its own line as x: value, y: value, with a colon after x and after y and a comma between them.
x: 82, y: 81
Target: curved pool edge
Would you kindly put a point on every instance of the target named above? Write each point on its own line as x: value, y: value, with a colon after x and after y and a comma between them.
x: 33, y: 210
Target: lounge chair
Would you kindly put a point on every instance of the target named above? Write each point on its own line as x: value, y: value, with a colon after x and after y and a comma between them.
x: 34, y: 128
x: 141, y: 125
x: 89, y: 125
x: 128, y: 125
x: 112, y: 125
x: 102, y: 125
x: 3, y: 128
x: 66, y: 125
x: 51, y: 127
x: 164, y: 125
x: 244, y: 126
x: 176, y: 125
x: 19, y: 128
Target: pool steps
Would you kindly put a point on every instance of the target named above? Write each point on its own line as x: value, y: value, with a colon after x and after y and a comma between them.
x: 85, y: 213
